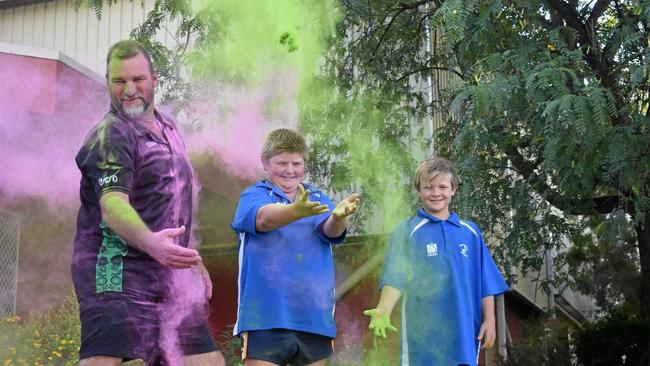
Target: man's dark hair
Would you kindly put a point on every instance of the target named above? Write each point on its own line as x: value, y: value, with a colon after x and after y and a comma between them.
x: 127, y: 49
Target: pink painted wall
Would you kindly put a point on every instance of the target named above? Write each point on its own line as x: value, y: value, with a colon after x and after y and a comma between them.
x: 46, y: 108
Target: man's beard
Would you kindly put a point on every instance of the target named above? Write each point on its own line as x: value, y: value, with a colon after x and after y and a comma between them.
x: 134, y: 111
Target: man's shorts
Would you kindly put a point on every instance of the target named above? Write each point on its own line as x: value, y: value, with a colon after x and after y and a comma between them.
x: 282, y: 346
x: 119, y: 325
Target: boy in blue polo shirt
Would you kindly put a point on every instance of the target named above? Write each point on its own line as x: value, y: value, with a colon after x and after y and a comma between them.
x: 446, y: 274
x: 286, y: 269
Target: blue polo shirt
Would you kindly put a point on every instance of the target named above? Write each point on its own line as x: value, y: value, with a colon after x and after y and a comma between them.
x: 443, y: 269
x: 286, y: 275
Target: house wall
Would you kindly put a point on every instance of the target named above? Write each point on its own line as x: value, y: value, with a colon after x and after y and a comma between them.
x: 79, y: 34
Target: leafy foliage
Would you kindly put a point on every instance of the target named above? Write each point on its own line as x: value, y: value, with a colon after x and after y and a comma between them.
x: 546, y: 113
x: 541, y: 346
x: 51, y: 338
x: 618, y: 338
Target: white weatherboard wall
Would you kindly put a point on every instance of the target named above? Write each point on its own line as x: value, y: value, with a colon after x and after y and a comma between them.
x: 78, y: 34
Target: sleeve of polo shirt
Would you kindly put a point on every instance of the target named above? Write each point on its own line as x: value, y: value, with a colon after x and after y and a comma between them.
x: 108, y: 159
x: 320, y: 221
x: 396, y: 263
x: 250, y: 202
x: 492, y: 282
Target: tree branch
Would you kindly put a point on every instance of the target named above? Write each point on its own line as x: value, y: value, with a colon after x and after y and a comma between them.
x: 585, y: 206
x: 402, y: 7
x: 597, y: 12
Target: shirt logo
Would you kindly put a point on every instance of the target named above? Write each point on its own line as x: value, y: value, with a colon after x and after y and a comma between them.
x: 463, y: 249
x: 432, y: 249
x: 106, y: 180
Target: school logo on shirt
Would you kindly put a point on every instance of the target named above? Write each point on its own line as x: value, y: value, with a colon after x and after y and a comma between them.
x: 463, y: 249
x: 432, y: 249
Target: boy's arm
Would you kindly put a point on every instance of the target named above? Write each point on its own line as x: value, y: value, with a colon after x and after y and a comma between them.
x: 380, y: 316
x: 273, y: 216
x: 487, y: 332
x: 338, y: 221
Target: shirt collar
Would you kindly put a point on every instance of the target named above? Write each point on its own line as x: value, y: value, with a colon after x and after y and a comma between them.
x: 453, y: 218
x: 160, y: 117
x: 270, y: 186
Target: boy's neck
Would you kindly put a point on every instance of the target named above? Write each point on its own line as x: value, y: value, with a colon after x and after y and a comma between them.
x: 439, y: 215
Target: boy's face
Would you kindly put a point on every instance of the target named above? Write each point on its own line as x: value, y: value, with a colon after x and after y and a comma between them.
x: 286, y: 171
x: 436, y: 195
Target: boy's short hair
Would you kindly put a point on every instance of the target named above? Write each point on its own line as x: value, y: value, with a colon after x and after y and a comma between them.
x: 432, y: 168
x: 284, y: 140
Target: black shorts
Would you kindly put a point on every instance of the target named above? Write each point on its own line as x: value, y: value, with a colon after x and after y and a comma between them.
x: 118, y: 325
x: 283, y: 346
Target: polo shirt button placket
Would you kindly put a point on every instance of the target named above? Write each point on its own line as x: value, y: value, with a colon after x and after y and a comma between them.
x: 445, y: 236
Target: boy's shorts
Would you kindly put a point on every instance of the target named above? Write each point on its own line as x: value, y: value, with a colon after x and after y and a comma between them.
x: 118, y: 325
x: 282, y: 346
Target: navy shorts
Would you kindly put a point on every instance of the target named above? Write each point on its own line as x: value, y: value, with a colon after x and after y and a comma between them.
x: 118, y: 325
x: 285, y: 346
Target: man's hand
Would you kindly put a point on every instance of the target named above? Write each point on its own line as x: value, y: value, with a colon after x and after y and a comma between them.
x: 347, y: 207
x: 379, y: 322
x: 487, y: 334
x: 162, y: 248
x: 303, y: 207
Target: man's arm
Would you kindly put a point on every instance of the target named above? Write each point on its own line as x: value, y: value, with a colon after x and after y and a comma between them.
x: 122, y: 218
x: 487, y: 333
x: 380, y: 316
x: 273, y: 216
x: 338, y: 221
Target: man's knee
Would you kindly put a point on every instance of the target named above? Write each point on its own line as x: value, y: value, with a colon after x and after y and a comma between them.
x: 205, y: 359
x: 101, y: 361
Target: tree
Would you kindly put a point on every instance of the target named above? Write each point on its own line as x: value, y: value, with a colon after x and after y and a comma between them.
x: 547, y: 119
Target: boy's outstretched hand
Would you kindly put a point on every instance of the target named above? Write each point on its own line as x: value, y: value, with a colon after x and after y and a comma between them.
x: 303, y: 207
x: 379, y: 322
x: 347, y: 207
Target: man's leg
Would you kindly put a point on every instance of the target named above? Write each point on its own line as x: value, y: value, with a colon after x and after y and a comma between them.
x: 205, y: 359
x: 101, y: 361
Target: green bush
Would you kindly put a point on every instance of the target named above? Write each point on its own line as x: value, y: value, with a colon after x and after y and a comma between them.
x: 619, y: 338
x: 541, y: 346
x: 51, y: 338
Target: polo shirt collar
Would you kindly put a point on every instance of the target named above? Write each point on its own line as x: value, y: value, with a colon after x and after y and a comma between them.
x: 453, y: 218
x: 141, y: 130
x: 270, y: 186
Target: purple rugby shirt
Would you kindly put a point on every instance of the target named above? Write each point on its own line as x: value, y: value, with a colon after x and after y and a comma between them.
x: 120, y: 155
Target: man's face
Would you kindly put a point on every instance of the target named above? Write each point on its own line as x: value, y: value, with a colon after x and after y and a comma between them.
x: 131, y: 85
x: 436, y: 195
x: 286, y: 171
